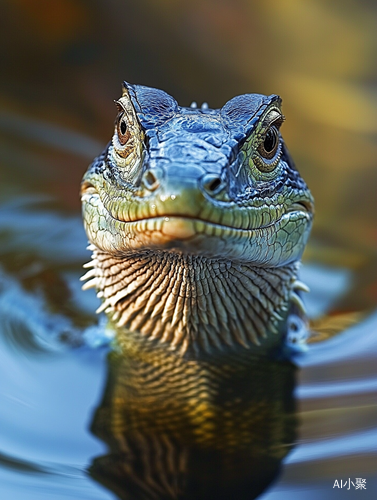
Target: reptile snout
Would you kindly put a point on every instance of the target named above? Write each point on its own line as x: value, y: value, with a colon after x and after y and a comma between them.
x: 174, y: 181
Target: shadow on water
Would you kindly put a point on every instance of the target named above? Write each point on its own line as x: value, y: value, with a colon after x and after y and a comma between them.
x: 193, y: 429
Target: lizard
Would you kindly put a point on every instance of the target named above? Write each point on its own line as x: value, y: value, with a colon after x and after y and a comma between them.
x: 197, y: 219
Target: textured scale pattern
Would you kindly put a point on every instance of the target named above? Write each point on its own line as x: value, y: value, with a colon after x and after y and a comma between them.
x: 185, y: 300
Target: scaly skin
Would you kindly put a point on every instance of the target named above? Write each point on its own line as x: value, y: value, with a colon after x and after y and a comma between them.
x: 197, y: 219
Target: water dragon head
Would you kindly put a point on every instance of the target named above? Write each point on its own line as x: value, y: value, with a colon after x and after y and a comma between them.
x: 214, y: 182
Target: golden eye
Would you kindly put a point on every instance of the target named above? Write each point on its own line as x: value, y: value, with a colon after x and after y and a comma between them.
x: 122, y: 129
x: 267, y: 149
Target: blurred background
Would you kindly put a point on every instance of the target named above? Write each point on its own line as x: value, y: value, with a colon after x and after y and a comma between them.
x: 62, y: 64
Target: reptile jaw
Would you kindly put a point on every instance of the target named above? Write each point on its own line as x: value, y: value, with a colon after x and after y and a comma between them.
x: 186, y: 204
x: 263, y: 246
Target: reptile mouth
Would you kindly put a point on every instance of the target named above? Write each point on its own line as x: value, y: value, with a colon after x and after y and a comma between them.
x: 87, y: 189
x: 301, y: 206
x: 192, y: 234
x: 183, y: 225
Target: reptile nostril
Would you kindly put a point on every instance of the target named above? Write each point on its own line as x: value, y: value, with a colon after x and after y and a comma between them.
x: 150, y: 180
x: 212, y: 184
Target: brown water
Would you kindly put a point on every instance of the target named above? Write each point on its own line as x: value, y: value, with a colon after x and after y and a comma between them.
x: 63, y: 66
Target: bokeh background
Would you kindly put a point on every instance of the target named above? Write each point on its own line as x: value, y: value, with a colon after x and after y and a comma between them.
x: 62, y: 64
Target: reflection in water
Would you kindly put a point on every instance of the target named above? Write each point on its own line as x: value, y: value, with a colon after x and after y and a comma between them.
x: 189, y: 429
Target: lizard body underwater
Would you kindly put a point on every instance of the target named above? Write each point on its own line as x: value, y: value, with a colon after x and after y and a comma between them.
x: 197, y: 219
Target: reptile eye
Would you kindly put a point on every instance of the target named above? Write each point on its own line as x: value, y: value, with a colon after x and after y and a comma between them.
x: 270, y: 141
x: 122, y: 129
x: 270, y: 144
